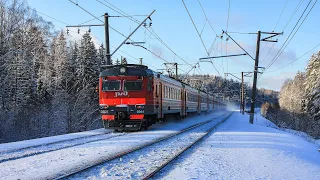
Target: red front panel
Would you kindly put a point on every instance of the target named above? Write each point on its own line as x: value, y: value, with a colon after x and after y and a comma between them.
x: 122, y: 98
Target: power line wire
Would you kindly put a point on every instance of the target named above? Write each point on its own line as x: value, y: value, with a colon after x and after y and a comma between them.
x: 227, y: 31
x: 228, y: 16
x: 114, y: 8
x: 292, y: 15
x: 207, y: 20
x: 280, y: 15
x: 118, y: 31
x: 293, y: 60
x: 285, y: 45
x: 275, y: 27
x: 195, y: 27
x: 98, y: 19
x: 95, y: 36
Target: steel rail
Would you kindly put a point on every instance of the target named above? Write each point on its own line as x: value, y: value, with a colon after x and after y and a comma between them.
x: 65, y: 176
x: 51, y: 143
x: 154, y: 172
x: 28, y: 154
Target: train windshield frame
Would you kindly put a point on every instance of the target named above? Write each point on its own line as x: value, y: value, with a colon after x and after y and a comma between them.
x: 111, y: 85
x: 135, y: 85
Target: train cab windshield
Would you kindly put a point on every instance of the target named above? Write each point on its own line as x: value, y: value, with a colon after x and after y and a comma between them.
x: 132, y: 85
x: 110, y: 85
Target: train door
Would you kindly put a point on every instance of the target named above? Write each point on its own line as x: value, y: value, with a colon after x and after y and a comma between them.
x: 199, y: 103
x: 183, y: 103
x: 160, y: 114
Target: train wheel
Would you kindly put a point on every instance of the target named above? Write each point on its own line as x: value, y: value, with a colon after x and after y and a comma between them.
x: 144, y: 126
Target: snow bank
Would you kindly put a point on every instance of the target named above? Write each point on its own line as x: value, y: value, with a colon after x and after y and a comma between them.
x: 303, y: 135
x: 260, y: 120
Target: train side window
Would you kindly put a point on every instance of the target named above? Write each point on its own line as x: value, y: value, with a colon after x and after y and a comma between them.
x: 166, y: 92
x: 173, y: 93
x: 149, y: 85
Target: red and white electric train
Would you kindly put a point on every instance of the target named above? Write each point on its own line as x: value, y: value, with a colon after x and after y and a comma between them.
x: 133, y: 97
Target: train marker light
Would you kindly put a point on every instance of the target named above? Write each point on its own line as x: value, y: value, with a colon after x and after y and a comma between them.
x: 122, y: 70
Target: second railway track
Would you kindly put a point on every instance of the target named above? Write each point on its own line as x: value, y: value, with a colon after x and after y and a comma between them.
x: 49, y: 147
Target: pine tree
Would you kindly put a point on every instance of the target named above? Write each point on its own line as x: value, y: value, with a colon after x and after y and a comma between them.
x: 88, y: 61
x: 60, y: 59
x: 312, y: 85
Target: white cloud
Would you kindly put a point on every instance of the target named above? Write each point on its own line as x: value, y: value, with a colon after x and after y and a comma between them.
x: 275, y: 82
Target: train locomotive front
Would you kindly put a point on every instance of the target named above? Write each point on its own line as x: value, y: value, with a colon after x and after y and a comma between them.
x: 125, y: 97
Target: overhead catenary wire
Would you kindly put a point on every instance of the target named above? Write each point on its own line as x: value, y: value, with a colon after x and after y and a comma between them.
x: 207, y: 20
x: 228, y: 15
x: 195, y: 27
x: 227, y: 31
x: 276, y: 56
x: 284, y: 44
x: 293, y: 60
x: 114, y: 8
x: 98, y: 19
x: 119, y: 32
x: 96, y: 37
x: 285, y: 5
x: 152, y: 31
x: 292, y: 15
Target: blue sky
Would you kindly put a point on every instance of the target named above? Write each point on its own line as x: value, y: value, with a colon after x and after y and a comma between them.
x: 172, y: 23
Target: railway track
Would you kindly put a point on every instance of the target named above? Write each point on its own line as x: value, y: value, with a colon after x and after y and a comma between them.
x: 158, y: 169
x: 54, y: 146
x: 126, y: 157
x: 50, y: 143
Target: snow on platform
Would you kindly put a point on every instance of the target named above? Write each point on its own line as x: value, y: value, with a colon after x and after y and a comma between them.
x: 239, y: 150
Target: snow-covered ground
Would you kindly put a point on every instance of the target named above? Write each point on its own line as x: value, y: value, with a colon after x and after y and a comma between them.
x: 239, y: 150
x: 50, y: 165
x: 303, y: 135
x: 141, y: 163
x: 46, y: 140
x: 263, y: 121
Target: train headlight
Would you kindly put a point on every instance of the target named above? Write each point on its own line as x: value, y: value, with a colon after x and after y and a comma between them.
x: 122, y: 70
x: 105, y: 106
x: 140, y: 106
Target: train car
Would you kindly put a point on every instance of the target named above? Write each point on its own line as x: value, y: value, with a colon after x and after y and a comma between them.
x: 192, y: 96
x: 133, y: 97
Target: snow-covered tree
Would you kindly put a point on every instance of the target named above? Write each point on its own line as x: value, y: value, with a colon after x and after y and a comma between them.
x: 312, y: 85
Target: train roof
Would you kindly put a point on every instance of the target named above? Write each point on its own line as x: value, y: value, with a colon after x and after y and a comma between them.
x: 141, y: 70
x: 126, y: 70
